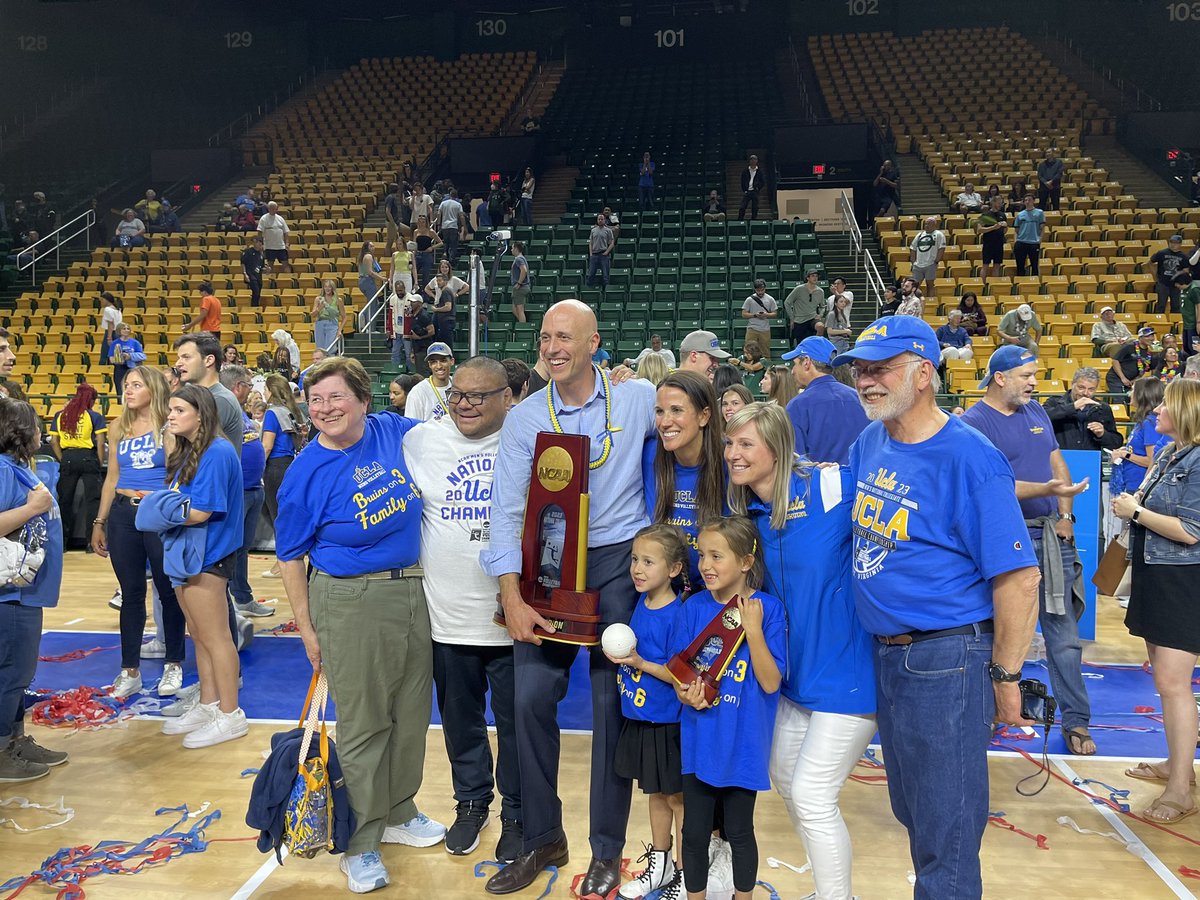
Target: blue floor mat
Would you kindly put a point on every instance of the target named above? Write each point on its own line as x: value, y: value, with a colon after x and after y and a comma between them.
x: 275, y: 674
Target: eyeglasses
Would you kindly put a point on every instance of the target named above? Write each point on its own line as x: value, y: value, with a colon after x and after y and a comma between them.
x: 331, y: 400
x: 877, y: 371
x: 243, y: 384
x: 473, y: 398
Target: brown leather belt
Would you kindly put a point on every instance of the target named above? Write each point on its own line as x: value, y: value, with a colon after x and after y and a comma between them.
x: 914, y: 637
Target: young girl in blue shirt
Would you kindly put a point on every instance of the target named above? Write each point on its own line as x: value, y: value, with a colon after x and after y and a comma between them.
x: 726, y: 744
x: 648, y: 748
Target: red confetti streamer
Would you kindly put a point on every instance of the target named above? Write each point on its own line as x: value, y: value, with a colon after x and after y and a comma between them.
x: 1039, y: 839
x: 74, y: 655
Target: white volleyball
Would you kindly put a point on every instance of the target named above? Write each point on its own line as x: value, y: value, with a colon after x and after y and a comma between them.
x: 618, y: 640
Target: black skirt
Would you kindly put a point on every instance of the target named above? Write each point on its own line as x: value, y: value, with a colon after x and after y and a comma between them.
x: 1162, y: 601
x: 648, y: 752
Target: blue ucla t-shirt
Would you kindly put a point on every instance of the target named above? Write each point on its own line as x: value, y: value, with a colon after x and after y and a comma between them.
x: 254, y: 460
x: 142, y: 462
x: 284, y: 445
x: 728, y: 745
x: 16, y: 481
x: 355, y: 511
x: 1026, y: 438
x: 217, y: 489
x: 934, y: 522
x: 643, y: 696
x: 830, y: 662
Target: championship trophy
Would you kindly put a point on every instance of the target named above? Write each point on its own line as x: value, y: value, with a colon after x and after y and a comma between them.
x: 706, y: 657
x: 557, y: 510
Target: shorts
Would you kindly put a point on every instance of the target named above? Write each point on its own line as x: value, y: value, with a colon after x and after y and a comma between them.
x: 520, y: 295
x: 993, y: 255
x: 275, y: 256
x: 223, y: 568
x: 925, y: 273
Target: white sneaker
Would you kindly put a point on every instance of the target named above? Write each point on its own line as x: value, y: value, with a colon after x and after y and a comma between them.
x: 171, y: 681
x: 154, y: 649
x: 114, y: 602
x: 720, y: 868
x: 364, y: 872
x: 185, y: 700
x: 125, y: 684
x: 419, y: 831
x: 196, y: 717
x: 223, y: 727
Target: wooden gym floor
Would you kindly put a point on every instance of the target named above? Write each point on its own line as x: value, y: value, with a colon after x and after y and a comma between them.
x: 117, y: 777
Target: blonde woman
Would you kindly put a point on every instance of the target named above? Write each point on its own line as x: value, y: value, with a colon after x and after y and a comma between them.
x: 283, y: 430
x: 137, y: 465
x: 653, y: 368
x: 329, y: 317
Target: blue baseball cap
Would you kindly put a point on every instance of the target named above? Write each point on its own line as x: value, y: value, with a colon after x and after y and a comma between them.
x: 891, y: 336
x: 439, y: 349
x: 816, y: 348
x: 1008, y: 357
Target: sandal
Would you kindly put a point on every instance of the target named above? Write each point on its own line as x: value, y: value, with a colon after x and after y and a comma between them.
x: 1150, y: 772
x: 1178, y: 812
x: 1078, y: 740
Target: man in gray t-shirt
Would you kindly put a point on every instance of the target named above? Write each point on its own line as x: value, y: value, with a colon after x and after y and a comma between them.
x: 199, y: 361
x: 600, y: 248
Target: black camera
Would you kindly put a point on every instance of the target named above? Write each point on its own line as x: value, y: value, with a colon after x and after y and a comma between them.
x: 1037, y: 703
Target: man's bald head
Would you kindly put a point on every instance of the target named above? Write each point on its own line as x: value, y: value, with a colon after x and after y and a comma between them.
x: 582, y: 316
x: 567, y: 341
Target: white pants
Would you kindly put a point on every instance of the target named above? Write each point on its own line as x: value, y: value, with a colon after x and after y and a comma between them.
x: 812, y: 755
x: 963, y: 353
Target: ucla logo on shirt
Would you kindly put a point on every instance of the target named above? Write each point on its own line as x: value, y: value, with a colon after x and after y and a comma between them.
x: 364, y: 475
x: 1036, y: 429
x: 880, y: 521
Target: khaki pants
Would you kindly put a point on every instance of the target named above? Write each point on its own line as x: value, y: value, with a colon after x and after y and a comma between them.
x: 378, y: 657
x: 762, y: 339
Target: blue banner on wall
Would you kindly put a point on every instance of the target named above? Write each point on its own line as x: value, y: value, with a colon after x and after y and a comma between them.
x: 1088, y: 524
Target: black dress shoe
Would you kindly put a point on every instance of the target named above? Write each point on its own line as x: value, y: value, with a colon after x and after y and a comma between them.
x: 521, y: 872
x: 602, y: 878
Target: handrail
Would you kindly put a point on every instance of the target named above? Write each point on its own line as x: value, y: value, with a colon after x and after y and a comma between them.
x: 1105, y: 73
x: 27, y: 261
x: 524, y: 98
x: 850, y: 223
x: 368, y: 314
x: 230, y: 130
x: 875, y: 284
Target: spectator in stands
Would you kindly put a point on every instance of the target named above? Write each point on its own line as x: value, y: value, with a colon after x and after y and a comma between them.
x: 402, y: 274
x: 519, y: 278
x: 149, y: 206
x: 224, y: 221
x: 700, y: 351
x: 1131, y: 361
x: 1189, y: 299
x: 713, y: 209
x: 286, y: 359
x: 974, y: 318
x: 231, y: 356
x: 423, y: 331
x: 19, y: 223
x: 926, y: 252
x: 125, y: 353
x: 253, y: 263
x: 452, y: 225
x: 1019, y: 428
x: 274, y: 229
x: 1016, y: 196
x: 78, y: 436
x: 1081, y: 422
x: 1169, y: 262
x: 992, y: 227
x: 130, y: 231
x: 1169, y: 367
x: 600, y: 356
x: 954, y: 340
x: 459, y: 286
x: 1030, y: 222
x: 1164, y: 550
x: 726, y: 374
x: 244, y: 219
x: 826, y: 416
x: 752, y: 182
x: 518, y: 378
x: 208, y: 314
x: 370, y: 278
x: 750, y: 360
x: 837, y: 288
x: 1108, y: 334
x: 426, y: 241
x: 777, y: 385
x: 45, y: 219
x: 166, y: 222
x: 1050, y: 176
x: 613, y: 221
x: 1191, y: 368
x: 890, y: 302
x: 805, y: 308
x: 968, y: 200
x: 442, y: 308
x: 110, y: 320
x: 1020, y: 326
x: 837, y: 325
x: 317, y: 356
x: 528, y: 186
x: 1145, y: 440
x: 329, y: 316
x: 249, y: 198
x: 993, y: 191
x: 420, y: 203
x: 398, y: 392
x: 911, y: 301
x: 646, y: 183
x: 887, y: 189
x: 735, y: 397
x: 759, y: 309
x: 393, y: 205
x: 600, y: 247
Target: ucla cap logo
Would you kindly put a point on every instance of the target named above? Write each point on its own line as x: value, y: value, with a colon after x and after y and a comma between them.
x: 871, y: 333
x: 715, y: 344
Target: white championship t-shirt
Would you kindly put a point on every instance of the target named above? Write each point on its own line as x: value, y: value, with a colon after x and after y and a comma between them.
x: 426, y: 402
x: 454, y: 475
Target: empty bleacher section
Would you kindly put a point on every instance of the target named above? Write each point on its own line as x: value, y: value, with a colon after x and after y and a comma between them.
x: 977, y: 116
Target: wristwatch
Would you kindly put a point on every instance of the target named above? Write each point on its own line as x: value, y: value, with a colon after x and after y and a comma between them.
x: 1001, y: 674
x: 1137, y: 512
x: 1066, y: 517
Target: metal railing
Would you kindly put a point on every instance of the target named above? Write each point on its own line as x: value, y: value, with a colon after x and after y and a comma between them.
x: 524, y: 99
x: 242, y: 123
x: 874, y: 283
x: 28, y: 257
x: 1127, y: 89
x: 374, y: 309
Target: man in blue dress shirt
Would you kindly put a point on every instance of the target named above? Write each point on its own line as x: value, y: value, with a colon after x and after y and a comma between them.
x: 618, y: 419
x: 826, y: 415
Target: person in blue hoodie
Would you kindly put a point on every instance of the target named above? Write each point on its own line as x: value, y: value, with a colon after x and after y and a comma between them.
x: 827, y: 713
x: 204, y: 467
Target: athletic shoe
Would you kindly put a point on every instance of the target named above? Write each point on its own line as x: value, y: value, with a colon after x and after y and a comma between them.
x: 419, y: 831
x: 364, y: 872
x: 125, y: 684
x: 720, y: 867
x: 223, y: 727
x: 470, y: 818
x: 154, y: 649
x: 245, y: 632
x: 114, y: 601
x: 171, y: 681
x: 28, y: 749
x: 185, y: 699
x: 14, y: 769
x: 271, y: 573
x: 255, y: 609
x: 195, y: 718
x: 660, y: 869
x: 512, y: 838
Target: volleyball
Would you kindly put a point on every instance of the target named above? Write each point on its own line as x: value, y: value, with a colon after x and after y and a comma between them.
x: 618, y: 640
